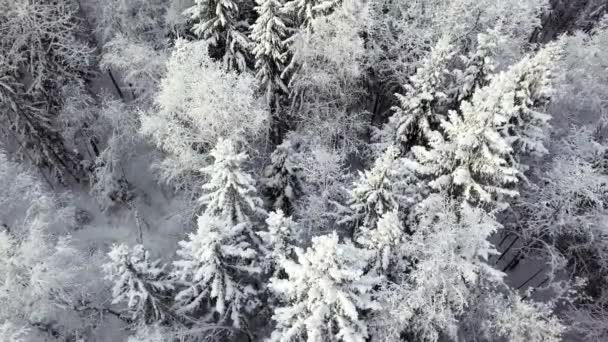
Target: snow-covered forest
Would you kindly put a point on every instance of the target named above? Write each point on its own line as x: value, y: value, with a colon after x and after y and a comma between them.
x: 303, y: 170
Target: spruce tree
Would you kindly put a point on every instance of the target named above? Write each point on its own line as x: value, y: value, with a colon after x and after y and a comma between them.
x: 418, y: 114
x: 279, y: 239
x: 283, y: 177
x: 230, y: 193
x: 140, y: 282
x: 324, y: 294
x: 222, y: 23
x: 215, y: 266
x: 268, y: 34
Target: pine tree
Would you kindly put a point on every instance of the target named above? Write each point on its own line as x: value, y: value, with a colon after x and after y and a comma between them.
x: 478, y: 65
x: 305, y: 11
x: 528, y: 88
x: 140, y: 282
x: 384, y: 239
x: 230, y: 193
x: 439, y: 265
x: 473, y: 160
x: 372, y: 194
x: 279, y: 239
x: 324, y: 294
x: 223, y: 25
x: 215, y: 266
x: 283, y: 177
x: 268, y: 34
x: 416, y: 118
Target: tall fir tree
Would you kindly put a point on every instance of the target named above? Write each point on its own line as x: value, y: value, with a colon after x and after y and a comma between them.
x: 528, y: 87
x: 417, y: 116
x: 283, y: 177
x: 215, y: 268
x: 230, y: 193
x: 280, y: 239
x: 324, y: 294
x: 268, y: 34
x: 223, y: 24
x: 140, y: 282
x: 478, y: 65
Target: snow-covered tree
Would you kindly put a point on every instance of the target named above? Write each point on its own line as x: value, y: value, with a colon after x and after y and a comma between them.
x: 325, y: 293
x: 223, y: 24
x: 140, y: 282
x: 280, y: 237
x: 135, y: 19
x: 528, y: 88
x: 472, y: 161
x: 198, y: 103
x: 325, y: 180
x: 375, y: 192
x: 140, y: 66
x: 44, y: 278
x: 417, y: 117
x: 230, y: 192
x: 41, y: 53
x: 46, y: 274
x: 40, y: 38
x: 305, y: 11
x: 372, y: 194
x: 561, y: 220
x: 517, y: 320
x: 384, y: 238
x: 478, y: 65
x: 268, y: 34
x: 215, y: 266
x: 446, y: 254
x: 486, y: 139
x: 283, y: 176
x: 13, y: 333
x: 133, y: 34
x: 119, y: 126
x: 416, y: 26
x: 580, y: 96
x: 325, y: 78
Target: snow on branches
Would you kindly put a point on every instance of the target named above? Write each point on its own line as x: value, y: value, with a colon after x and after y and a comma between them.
x: 197, y: 104
x: 215, y: 263
x: 140, y: 282
x: 325, y: 293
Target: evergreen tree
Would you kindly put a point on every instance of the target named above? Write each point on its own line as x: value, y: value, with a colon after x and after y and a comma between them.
x: 418, y: 114
x: 527, y: 87
x: 283, y: 177
x: 478, y: 65
x: 472, y: 163
x: 305, y: 11
x: 372, y: 194
x: 324, y: 294
x: 438, y: 267
x: 387, y: 236
x: 222, y: 23
x: 268, y: 34
x: 279, y: 239
x: 140, y: 282
x: 230, y: 193
x: 215, y: 266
